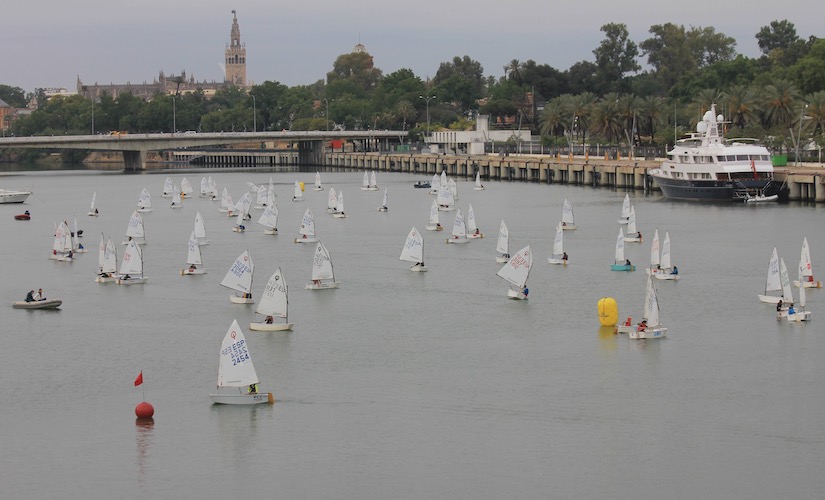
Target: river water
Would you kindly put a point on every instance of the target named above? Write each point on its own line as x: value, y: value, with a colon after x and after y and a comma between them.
x: 409, y: 385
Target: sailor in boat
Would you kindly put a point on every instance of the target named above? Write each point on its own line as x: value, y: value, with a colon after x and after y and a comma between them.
x: 675, y: 270
x: 779, y: 306
x: 268, y: 320
x: 253, y: 388
x: 419, y: 264
x: 791, y: 310
x: 27, y: 213
x: 316, y: 282
x: 80, y: 246
x: 477, y: 232
x: 438, y: 225
x: 39, y: 295
x: 642, y: 326
x: 96, y: 212
x: 30, y: 296
x: 627, y: 262
x: 564, y: 257
x: 192, y: 268
x: 525, y: 291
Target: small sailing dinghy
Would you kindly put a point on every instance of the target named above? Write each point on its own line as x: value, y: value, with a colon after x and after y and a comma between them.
x: 205, y: 192
x: 77, y: 247
x: 261, y: 197
x: 435, y: 184
x: 242, y: 211
x: 332, y: 200
x: 235, y: 369
x: 200, y: 229
x: 621, y: 264
x: 274, y: 304
x: 384, y: 207
x: 92, y: 210
x: 298, y: 193
x: 193, y: 258
x: 239, y: 278
x: 516, y: 271
x: 168, y: 188
x: 323, y: 275
x: 226, y: 203
x: 317, y: 182
x: 807, y: 269
x: 633, y: 235
x: 472, y: 228
x: 667, y: 270
x: 62, y: 244
x: 773, y: 283
x: 559, y: 255
x: 177, y: 199
x: 339, y: 207
x: 800, y: 314
x: 144, y: 204
x: 625, y: 217
x: 135, y: 231
x: 568, y: 222
x: 478, y: 186
x: 655, y: 261
x: 373, y: 183
x: 131, y: 266
x: 307, y: 229
x: 434, y: 225
x: 185, y: 188
x: 413, y: 251
x: 459, y: 235
x: 365, y: 183
x: 651, y: 328
x: 269, y: 219
x: 445, y: 199
x: 106, y: 261
x: 503, y: 243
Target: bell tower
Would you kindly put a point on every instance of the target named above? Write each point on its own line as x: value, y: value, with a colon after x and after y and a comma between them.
x: 235, y: 56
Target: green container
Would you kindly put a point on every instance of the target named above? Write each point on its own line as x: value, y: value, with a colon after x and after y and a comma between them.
x: 779, y: 160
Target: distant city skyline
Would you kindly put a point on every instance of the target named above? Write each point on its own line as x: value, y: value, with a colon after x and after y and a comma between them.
x: 297, y: 44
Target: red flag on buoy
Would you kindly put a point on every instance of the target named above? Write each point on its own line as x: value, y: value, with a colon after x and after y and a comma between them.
x: 139, y: 379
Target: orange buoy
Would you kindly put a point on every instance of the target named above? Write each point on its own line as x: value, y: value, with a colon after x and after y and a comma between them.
x: 144, y: 410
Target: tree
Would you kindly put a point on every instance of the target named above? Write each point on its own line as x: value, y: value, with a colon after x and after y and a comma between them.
x: 809, y: 71
x: 779, y: 104
x: 710, y: 47
x: 356, y: 68
x: 514, y: 71
x: 615, y: 56
x: 581, y: 77
x: 606, y: 119
x: 13, y: 96
x: 778, y: 35
x: 460, y: 81
x: 742, y: 103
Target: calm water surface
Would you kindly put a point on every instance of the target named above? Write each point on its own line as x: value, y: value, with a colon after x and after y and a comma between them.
x: 410, y: 385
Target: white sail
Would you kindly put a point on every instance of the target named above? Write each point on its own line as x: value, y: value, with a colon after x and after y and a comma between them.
x: 365, y: 182
x: 270, y: 194
x: 654, y: 251
x: 239, y: 276
x: 261, y: 196
x: 101, y: 253
x: 373, y: 182
x: 802, y: 293
x: 384, y: 201
x: 413, y: 250
x: 235, y: 368
x: 109, y: 264
x: 135, y: 228
x: 322, y: 264
x: 193, y: 255
x: 445, y: 197
x: 167, y: 187
x: 92, y: 206
x: 307, y: 224
x: 244, y: 203
x: 434, y: 213
x: 298, y: 194
x: 186, y: 187
x: 503, y: 244
x: 145, y: 199
x: 558, y: 242
x: 204, y: 186
x: 435, y: 184
x: 471, y: 220
x: 61, y: 236
x: 631, y: 223
x: 784, y: 277
x: 620, y: 248
x: 773, y: 282
x: 339, y: 205
x: 274, y: 300
x: 517, y: 269
x: 132, y: 262
x: 332, y: 199
x: 478, y: 185
x: 665, y: 262
x: 625, y: 209
x: 318, y: 181
x: 459, y: 229
x: 805, y: 260
x: 226, y: 201
x: 270, y: 217
x: 176, y: 197
x: 443, y: 179
x: 213, y: 187
x: 200, y: 227
x: 567, y: 213
x: 453, y: 188
x: 651, y: 313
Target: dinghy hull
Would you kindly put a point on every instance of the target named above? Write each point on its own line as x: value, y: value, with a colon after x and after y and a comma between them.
x: 650, y: 333
x: 306, y: 240
x: 622, y: 267
x: 322, y: 286
x: 457, y: 241
x: 192, y: 272
x: 241, y: 300
x: 131, y: 281
x: 37, y: 304
x: 243, y: 399
x: 270, y: 327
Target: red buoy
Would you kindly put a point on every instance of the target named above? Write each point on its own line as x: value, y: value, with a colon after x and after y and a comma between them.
x: 144, y: 410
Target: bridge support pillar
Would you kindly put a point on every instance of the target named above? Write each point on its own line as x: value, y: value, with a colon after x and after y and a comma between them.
x: 134, y: 160
x: 310, y: 153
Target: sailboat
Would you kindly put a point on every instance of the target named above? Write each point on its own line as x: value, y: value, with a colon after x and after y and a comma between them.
x: 653, y: 328
x: 92, y: 210
x: 503, y: 243
x: 365, y: 182
x: 239, y: 278
x: 185, y: 188
x: 242, y: 210
x: 332, y: 200
x: 459, y: 229
x: 621, y: 264
x: 800, y: 314
x: 633, y: 235
x: 655, y: 261
x: 131, y: 266
x: 478, y: 186
x: 472, y: 227
x: 434, y: 225
x: 516, y: 271
x: 200, y: 229
x: 62, y: 244
x: 783, y: 306
x: 453, y: 188
x: 807, y: 268
x: 193, y: 258
x: 106, y: 261
x: 269, y: 219
x: 274, y: 304
x: 773, y: 283
x: 339, y: 207
x: 307, y: 229
x: 298, y: 193
x: 317, y: 182
x: 323, y: 275
x: 445, y: 199
x: 261, y: 197
x: 559, y: 255
x: 235, y: 369
x: 177, y: 199
x: 668, y: 271
x: 135, y: 231
x: 270, y: 193
x: 384, y: 207
x: 77, y: 247
x: 373, y: 186
x: 213, y: 189
x: 568, y: 222
x: 168, y: 187
x: 226, y: 203
x: 204, y: 188
x: 625, y: 217
x: 435, y: 184
x: 144, y: 203
x: 413, y: 251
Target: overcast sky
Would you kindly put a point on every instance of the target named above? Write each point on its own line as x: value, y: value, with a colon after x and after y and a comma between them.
x: 50, y: 43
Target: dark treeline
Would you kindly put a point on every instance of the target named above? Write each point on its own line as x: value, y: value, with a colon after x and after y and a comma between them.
x: 609, y: 99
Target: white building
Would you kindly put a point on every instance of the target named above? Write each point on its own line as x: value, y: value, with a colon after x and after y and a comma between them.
x: 473, y: 141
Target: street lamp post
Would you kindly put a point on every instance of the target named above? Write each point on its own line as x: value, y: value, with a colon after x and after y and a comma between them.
x: 427, y: 100
x: 799, y: 133
x: 254, y: 114
x: 174, y: 115
x: 326, y: 117
x: 93, y: 116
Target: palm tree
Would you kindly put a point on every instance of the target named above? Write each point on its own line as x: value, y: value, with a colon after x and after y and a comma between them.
x: 579, y: 107
x: 552, y: 118
x: 815, y: 113
x: 652, y: 114
x: 742, y: 104
x: 779, y: 103
x: 629, y: 106
x: 707, y: 97
x: 606, y: 118
x: 514, y: 70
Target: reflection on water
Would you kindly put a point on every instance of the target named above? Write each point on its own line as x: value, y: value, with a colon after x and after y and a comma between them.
x: 144, y: 430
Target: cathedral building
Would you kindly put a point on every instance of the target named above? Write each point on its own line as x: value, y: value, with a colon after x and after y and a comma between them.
x: 234, y: 60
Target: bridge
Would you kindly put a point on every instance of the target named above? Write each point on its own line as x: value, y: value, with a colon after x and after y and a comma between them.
x: 135, y: 146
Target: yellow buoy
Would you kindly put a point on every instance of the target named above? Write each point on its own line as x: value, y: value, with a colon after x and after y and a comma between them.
x: 608, y: 311
x: 302, y: 186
